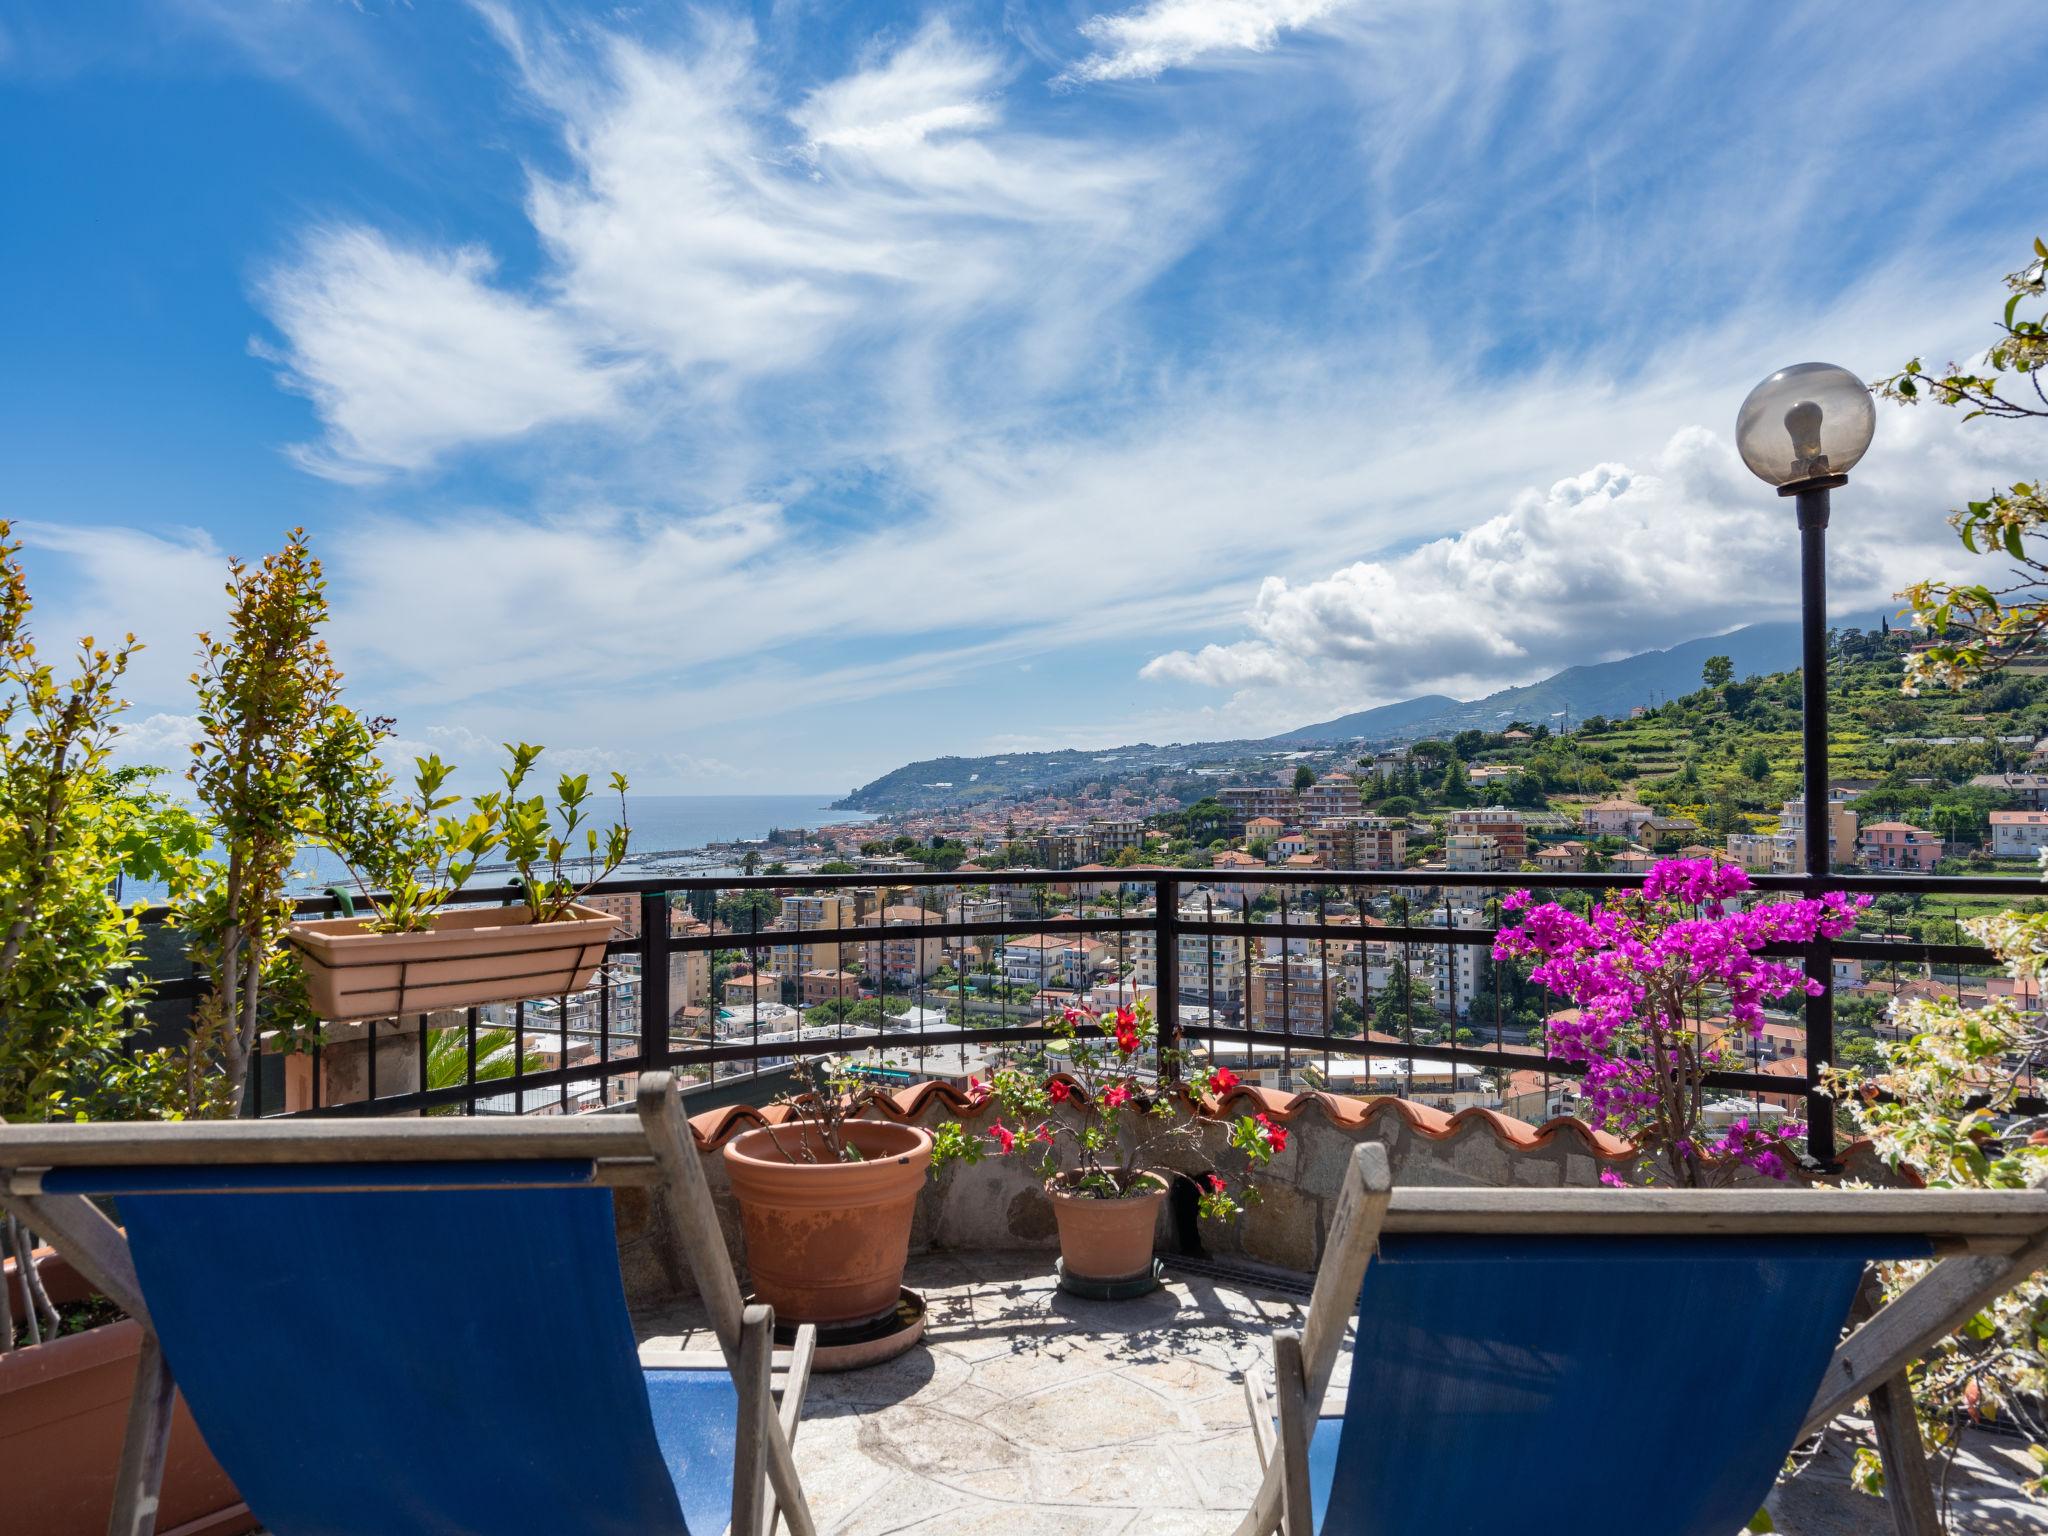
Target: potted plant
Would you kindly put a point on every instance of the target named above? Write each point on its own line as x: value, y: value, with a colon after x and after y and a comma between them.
x: 1640, y: 970
x: 409, y: 858
x: 826, y: 1201
x: 67, y: 1372
x: 1107, y: 1202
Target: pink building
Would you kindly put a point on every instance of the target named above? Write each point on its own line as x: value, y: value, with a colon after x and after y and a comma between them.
x: 1898, y: 845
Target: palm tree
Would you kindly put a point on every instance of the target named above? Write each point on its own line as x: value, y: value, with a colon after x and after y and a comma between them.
x: 448, y: 1060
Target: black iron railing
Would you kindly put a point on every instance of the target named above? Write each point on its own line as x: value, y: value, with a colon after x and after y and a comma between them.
x: 1239, y: 940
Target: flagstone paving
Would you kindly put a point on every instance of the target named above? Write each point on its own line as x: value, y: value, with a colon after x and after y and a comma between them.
x: 1030, y: 1411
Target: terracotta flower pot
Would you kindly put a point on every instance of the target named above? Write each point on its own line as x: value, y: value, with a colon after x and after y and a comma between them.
x: 826, y: 1241
x: 1106, y: 1239
x: 471, y: 956
x: 63, y: 1415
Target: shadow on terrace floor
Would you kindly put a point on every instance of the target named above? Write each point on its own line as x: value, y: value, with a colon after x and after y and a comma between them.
x: 1031, y: 1411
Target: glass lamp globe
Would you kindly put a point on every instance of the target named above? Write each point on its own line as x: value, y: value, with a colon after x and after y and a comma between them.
x: 1807, y: 420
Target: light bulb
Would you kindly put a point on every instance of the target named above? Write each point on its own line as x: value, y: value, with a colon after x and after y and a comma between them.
x: 1802, y: 422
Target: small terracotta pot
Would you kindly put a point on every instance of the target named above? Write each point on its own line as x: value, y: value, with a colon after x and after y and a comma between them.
x: 471, y: 956
x: 1106, y: 1239
x: 827, y: 1241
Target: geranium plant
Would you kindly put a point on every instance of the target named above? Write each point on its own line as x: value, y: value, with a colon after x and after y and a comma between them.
x: 1121, y: 1121
x: 1644, y: 970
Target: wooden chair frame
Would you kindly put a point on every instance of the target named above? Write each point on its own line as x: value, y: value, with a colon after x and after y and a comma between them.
x: 1985, y: 1244
x: 655, y: 1148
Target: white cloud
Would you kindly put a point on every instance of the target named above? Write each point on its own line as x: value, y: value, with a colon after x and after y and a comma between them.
x: 705, y: 242
x: 1606, y: 563
x: 407, y: 353
x: 1148, y: 40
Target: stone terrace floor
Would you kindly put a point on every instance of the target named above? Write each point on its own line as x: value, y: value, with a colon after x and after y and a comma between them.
x: 1030, y: 1411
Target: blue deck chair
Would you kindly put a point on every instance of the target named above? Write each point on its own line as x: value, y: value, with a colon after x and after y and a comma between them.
x: 1639, y: 1360
x: 420, y: 1326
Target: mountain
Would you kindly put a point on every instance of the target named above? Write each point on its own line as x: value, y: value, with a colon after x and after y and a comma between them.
x: 1604, y: 688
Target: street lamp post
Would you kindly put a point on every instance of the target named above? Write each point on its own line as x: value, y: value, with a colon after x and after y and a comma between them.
x: 1802, y: 430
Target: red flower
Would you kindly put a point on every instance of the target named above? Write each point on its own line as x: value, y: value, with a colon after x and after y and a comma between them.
x: 1216, y: 1183
x: 1127, y: 1041
x: 1276, y: 1135
x: 1113, y: 1097
x: 1221, y: 1080
x: 977, y: 1090
x: 1071, y: 1014
x: 1126, y: 1018
x: 1045, y: 1132
x: 1004, y: 1137
x: 1057, y: 1088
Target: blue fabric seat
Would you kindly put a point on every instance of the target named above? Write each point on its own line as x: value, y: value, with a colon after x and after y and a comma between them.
x: 1565, y: 1384
x: 442, y: 1360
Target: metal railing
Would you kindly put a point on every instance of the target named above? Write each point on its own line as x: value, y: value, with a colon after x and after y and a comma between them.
x: 1425, y: 935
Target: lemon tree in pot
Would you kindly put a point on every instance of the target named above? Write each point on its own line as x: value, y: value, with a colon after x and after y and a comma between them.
x: 410, y: 856
x: 826, y: 1199
x: 1093, y: 1098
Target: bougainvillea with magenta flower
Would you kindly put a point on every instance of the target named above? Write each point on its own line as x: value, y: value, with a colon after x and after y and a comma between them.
x: 1646, y: 971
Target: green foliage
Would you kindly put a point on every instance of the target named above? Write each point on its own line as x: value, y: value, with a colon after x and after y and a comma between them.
x: 541, y: 842
x: 1718, y: 672
x: 1304, y: 777
x: 1947, y: 1082
x: 71, y: 829
x: 406, y: 855
x: 271, y: 724
x: 1980, y: 627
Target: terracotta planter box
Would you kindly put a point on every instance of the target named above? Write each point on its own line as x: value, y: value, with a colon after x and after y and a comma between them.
x: 827, y: 1241
x: 63, y: 1413
x: 471, y: 956
x: 1107, y: 1239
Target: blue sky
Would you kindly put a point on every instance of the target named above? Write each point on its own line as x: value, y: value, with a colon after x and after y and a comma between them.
x: 758, y: 398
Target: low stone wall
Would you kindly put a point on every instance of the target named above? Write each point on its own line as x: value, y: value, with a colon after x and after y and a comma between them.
x: 999, y: 1204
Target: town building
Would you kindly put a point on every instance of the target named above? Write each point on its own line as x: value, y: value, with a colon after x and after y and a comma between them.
x: 2030, y: 789
x: 1472, y: 852
x: 1246, y: 801
x: 1613, y: 818
x: 1506, y: 827
x: 2018, y: 834
x: 1357, y: 842
x: 1842, y: 836
x: 1567, y: 858
x: 1898, y: 845
x: 1334, y: 794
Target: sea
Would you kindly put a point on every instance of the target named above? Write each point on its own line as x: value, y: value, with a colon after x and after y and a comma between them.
x: 679, y: 826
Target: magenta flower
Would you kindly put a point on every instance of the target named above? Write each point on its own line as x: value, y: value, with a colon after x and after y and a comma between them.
x: 1646, y: 974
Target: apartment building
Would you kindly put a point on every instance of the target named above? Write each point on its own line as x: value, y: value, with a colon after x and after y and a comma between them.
x: 1842, y: 836
x: 1335, y: 794
x: 1293, y: 993
x: 904, y: 957
x: 1506, y: 827
x: 1455, y: 970
x: 1472, y: 852
x: 1562, y: 858
x: 1899, y: 845
x: 1212, y: 966
x: 1245, y: 801
x: 2018, y: 834
x: 1357, y: 842
x: 835, y: 909
x: 1113, y: 834
x: 1037, y: 960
